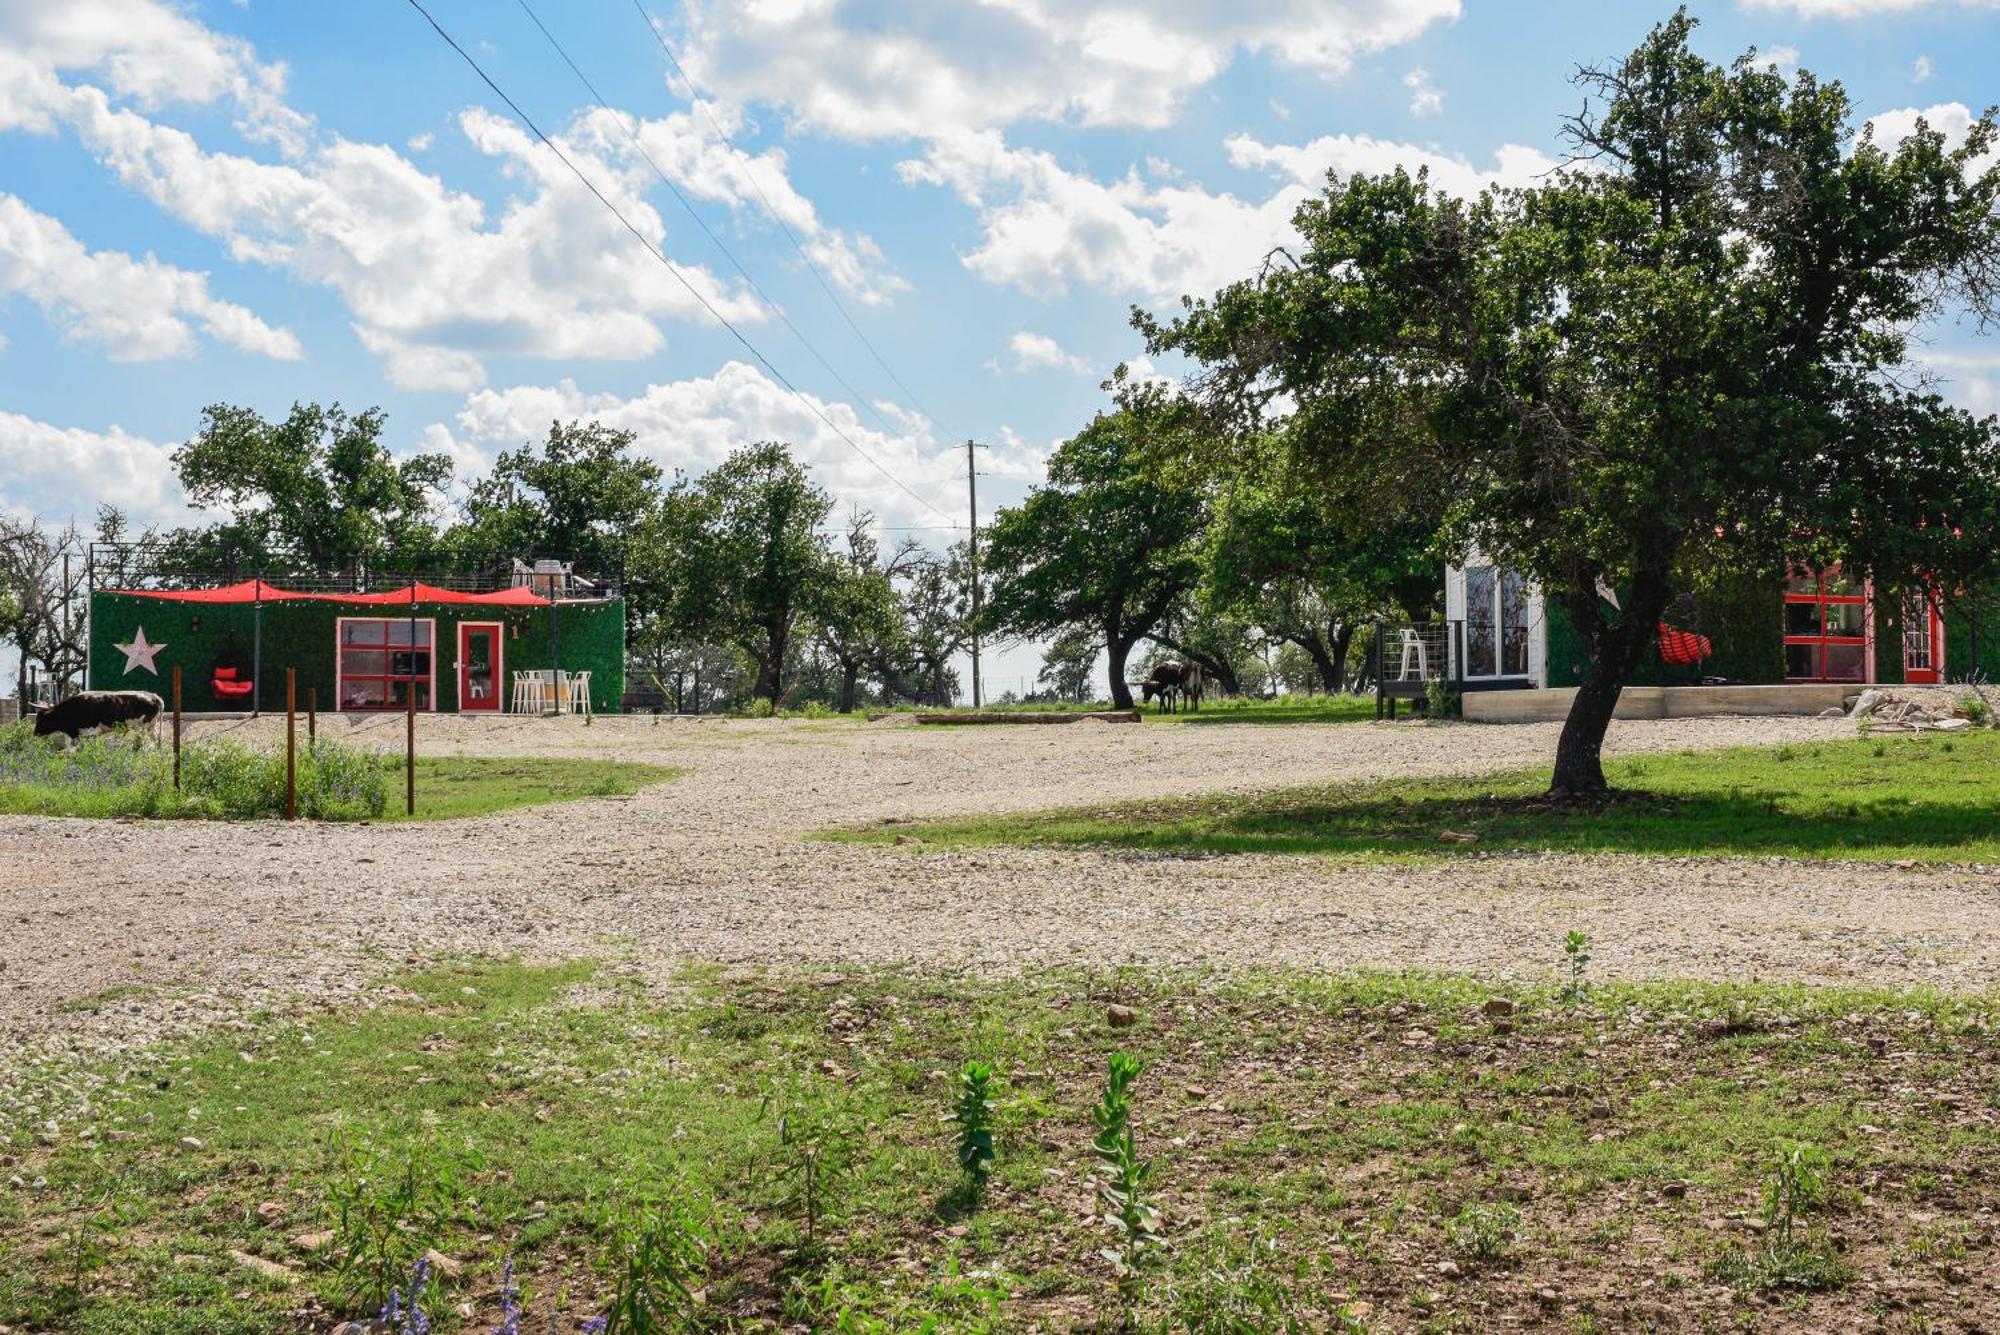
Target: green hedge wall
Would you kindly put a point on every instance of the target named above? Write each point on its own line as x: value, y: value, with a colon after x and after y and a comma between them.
x: 1743, y: 617
x: 590, y: 637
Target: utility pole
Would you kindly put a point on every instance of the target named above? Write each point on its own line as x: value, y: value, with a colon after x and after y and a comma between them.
x: 972, y: 501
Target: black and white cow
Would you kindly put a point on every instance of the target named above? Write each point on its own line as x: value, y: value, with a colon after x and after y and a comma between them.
x: 87, y: 710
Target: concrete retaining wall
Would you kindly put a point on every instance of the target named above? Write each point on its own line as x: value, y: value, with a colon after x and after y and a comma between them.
x: 1552, y: 705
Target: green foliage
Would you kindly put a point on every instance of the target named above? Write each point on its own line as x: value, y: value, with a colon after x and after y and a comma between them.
x: 1105, y: 548
x: 1634, y: 370
x: 1791, y: 1255
x: 813, y: 1155
x: 1440, y: 700
x: 121, y: 774
x: 974, y: 1118
x: 736, y: 556
x: 1484, y: 1230
x: 579, y: 496
x: 387, y: 1208
x: 1975, y: 708
x: 1122, y: 1174
x: 661, y: 1257
x: 320, y: 485
x: 1576, y: 958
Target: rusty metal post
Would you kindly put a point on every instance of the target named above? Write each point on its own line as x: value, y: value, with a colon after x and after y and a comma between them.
x: 177, y: 728
x: 410, y: 751
x: 291, y: 744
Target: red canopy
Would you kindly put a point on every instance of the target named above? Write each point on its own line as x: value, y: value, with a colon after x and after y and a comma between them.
x: 254, y: 590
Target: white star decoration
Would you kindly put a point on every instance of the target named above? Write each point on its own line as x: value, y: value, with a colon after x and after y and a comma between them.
x: 139, y: 654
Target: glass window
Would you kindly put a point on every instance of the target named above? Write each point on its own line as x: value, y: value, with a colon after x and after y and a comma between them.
x: 380, y: 659
x: 1481, y: 640
x: 1513, y: 625
x: 1826, y: 626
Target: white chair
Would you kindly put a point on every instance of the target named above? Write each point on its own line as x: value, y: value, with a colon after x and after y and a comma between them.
x: 1414, y: 652
x: 579, y: 693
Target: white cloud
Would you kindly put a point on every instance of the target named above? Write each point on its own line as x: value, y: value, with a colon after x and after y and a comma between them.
x: 1854, y: 9
x: 1784, y: 57
x: 1426, y: 99
x: 431, y: 281
x: 1046, y: 228
x: 149, y: 52
x: 1034, y: 352
x: 1951, y: 119
x: 420, y: 143
x: 1921, y: 71
x: 693, y: 425
x: 57, y: 472
x: 435, y: 285
x: 916, y: 68
x: 134, y: 309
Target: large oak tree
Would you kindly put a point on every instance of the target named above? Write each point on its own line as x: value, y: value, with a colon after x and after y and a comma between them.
x: 1689, y: 348
x: 1107, y: 545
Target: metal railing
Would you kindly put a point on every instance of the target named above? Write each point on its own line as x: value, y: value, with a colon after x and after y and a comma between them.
x: 1406, y: 657
x: 176, y: 565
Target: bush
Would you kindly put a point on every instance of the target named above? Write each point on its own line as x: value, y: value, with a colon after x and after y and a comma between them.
x: 123, y: 775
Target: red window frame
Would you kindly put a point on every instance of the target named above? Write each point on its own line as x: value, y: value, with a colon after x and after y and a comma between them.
x: 425, y: 682
x: 1820, y: 641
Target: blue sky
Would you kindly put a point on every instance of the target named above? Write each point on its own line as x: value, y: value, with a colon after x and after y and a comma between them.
x: 263, y: 202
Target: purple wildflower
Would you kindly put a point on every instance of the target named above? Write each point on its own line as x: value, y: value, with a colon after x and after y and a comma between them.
x: 510, y: 1302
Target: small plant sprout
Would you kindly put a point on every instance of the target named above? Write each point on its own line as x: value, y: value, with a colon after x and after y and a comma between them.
x: 1483, y: 1230
x: 1576, y: 958
x: 813, y: 1153
x: 1122, y: 1175
x: 974, y: 1118
x: 664, y: 1253
x: 1798, y: 1180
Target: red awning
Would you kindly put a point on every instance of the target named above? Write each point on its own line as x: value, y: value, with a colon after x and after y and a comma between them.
x: 251, y: 590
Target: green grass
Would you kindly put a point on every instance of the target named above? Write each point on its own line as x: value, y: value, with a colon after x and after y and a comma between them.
x: 451, y: 787
x: 1922, y: 797
x: 1215, y: 709
x: 1319, y: 1145
x: 125, y: 775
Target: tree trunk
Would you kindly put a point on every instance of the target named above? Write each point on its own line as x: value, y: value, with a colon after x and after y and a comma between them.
x: 1117, y: 650
x: 1343, y: 639
x: 1330, y: 678
x: 1580, y: 749
x: 849, y: 674
x: 1615, y: 650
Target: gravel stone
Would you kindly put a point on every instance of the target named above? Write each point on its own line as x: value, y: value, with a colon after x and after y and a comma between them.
x: 196, y: 922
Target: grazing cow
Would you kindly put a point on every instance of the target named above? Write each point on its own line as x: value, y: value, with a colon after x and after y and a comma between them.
x: 1175, y: 684
x: 97, y: 709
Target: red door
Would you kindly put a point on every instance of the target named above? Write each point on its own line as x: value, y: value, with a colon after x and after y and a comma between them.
x: 478, y: 667
x: 1923, y: 641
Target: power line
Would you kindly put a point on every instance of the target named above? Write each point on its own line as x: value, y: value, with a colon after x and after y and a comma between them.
x: 694, y: 95
x: 856, y: 395
x: 659, y: 255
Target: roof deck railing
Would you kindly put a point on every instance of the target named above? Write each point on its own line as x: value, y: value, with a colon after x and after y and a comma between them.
x: 158, y: 565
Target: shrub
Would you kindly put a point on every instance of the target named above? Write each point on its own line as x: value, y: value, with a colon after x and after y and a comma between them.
x: 123, y: 775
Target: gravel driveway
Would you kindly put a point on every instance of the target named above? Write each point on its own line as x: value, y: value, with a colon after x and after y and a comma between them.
x: 713, y: 866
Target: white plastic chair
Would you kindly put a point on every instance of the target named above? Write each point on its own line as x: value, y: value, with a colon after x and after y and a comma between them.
x: 579, y: 693
x: 1413, y: 650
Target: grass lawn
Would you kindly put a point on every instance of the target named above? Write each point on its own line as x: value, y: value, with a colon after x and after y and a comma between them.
x: 1327, y: 1152
x: 121, y: 776
x: 1924, y: 797
x: 1215, y: 709
x: 449, y: 787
